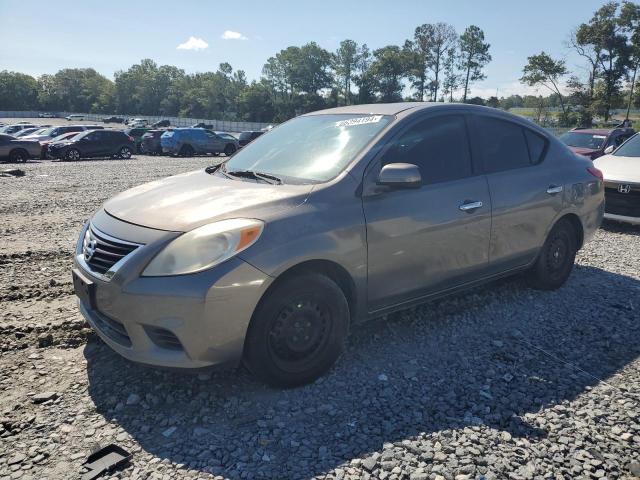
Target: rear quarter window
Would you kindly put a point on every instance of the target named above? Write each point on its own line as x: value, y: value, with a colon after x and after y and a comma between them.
x: 505, y: 145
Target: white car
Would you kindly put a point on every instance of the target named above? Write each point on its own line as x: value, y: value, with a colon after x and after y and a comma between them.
x: 621, y: 170
x: 75, y: 117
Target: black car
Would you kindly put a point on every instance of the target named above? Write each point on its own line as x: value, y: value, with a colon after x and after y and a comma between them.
x: 161, y: 123
x: 206, y: 126
x: 150, y: 142
x: 113, y: 120
x: 95, y: 143
x: 248, y: 137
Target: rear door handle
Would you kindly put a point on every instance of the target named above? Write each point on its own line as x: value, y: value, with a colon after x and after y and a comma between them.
x: 470, y: 206
x: 553, y: 189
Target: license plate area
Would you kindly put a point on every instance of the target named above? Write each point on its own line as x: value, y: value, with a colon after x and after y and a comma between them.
x: 84, y: 288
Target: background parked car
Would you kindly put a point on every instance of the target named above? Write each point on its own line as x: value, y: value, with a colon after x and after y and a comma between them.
x: 75, y: 117
x: 47, y: 115
x: 137, y: 134
x: 13, y: 129
x: 189, y: 141
x: 137, y: 122
x: 150, y: 142
x: 161, y: 123
x: 248, y: 137
x: 113, y: 120
x: 96, y: 143
x: 18, y: 150
x: 28, y: 131
x: 44, y: 144
x: 202, y: 125
x: 621, y: 171
x: 592, y: 142
x: 53, y: 132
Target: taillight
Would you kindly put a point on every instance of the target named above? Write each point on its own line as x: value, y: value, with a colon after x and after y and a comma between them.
x: 131, y: 138
x: 595, y: 172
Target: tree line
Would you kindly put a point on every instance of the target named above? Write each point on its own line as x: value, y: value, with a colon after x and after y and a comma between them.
x: 435, y: 64
x: 609, y: 45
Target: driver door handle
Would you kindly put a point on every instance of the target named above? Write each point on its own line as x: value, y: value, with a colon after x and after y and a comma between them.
x: 468, y: 206
x: 553, y: 189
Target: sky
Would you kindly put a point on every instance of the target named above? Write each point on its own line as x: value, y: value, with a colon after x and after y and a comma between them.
x: 44, y: 36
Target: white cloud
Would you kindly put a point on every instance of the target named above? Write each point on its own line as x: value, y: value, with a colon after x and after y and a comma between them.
x: 231, y: 35
x: 193, y: 43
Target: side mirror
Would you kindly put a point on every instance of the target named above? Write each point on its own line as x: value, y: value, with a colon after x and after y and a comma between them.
x: 400, y: 175
x: 609, y: 149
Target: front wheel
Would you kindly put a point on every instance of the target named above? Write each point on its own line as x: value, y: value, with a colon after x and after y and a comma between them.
x: 18, y: 156
x: 229, y: 150
x: 555, y: 260
x: 186, y: 151
x: 72, y: 154
x: 298, y: 331
x: 124, y: 152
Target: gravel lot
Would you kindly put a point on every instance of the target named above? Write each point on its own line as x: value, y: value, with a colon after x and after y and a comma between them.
x: 500, y: 382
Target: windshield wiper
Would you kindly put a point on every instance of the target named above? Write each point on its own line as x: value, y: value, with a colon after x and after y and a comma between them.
x: 265, y: 177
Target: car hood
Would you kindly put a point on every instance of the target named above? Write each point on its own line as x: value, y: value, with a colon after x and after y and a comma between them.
x: 619, y: 169
x: 189, y: 200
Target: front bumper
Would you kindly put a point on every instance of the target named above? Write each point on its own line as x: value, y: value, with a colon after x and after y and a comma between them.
x: 622, y: 218
x: 186, y: 321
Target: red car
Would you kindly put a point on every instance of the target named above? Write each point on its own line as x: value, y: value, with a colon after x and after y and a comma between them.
x: 45, y: 143
x: 592, y: 142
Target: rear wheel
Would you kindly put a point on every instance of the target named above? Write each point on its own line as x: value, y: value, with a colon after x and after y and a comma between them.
x: 124, y: 152
x: 298, y: 331
x: 556, y: 259
x: 18, y: 155
x: 186, y: 151
x: 72, y: 154
x: 229, y: 150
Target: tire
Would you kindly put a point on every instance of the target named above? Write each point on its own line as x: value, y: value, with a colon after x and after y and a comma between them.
x: 556, y: 258
x: 186, y: 151
x: 18, y: 156
x: 73, y: 154
x: 124, y: 153
x: 229, y: 150
x: 297, y: 332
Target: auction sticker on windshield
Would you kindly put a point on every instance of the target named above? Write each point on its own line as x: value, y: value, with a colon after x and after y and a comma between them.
x: 359, y: 121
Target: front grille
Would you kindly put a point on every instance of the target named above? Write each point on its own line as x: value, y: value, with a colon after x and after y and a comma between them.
x: 617, y: 203
x: 101, y: 251
x: 112, y: 328
x: 163, y: 338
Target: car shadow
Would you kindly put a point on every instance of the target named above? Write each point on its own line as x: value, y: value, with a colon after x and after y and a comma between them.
x: 486, y: 357
x: 620, y: 227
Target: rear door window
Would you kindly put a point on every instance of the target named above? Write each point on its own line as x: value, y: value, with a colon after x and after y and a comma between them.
x: 502, y: 144
x: 537, y: 145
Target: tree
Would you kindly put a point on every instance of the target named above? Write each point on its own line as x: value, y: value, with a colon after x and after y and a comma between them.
x: 364, y: 79
x: 444, y: 37
x: 345, y: 64
x: 604, y: 34
x: 387, y: 69
x: 474, y: 55
x: 630, y: 21
x: 451, y: 80
x: 417, y: 54
x: 18, y: 91
x: 543, y: 70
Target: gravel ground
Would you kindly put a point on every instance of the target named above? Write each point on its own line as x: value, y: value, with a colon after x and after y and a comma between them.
x: 500, y: 382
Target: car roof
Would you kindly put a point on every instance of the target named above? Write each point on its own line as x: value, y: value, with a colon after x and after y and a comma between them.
x: 376, y: 108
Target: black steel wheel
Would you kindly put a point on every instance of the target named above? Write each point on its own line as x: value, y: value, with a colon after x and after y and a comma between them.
x: 298, y: 331
x: 556, y: 258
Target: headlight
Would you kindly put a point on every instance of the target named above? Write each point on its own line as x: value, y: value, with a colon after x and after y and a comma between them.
x: 205, y: 247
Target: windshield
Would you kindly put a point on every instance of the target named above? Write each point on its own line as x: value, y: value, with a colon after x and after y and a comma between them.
x: 583, y: 140
x: 313, y: 148
x: 630, y: 148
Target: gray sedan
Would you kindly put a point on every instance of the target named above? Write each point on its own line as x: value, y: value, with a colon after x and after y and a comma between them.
x: 330, y: 218
x: 18, y: 150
